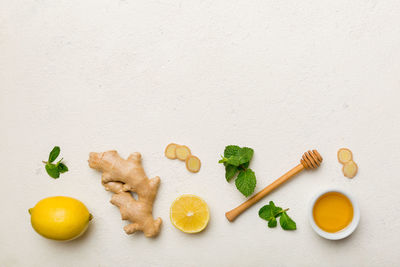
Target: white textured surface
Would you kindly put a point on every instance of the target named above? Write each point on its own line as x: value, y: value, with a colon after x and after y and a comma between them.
x: 279, y: 76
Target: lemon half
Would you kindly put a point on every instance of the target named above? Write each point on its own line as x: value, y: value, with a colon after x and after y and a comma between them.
x: 60, y: 218
x: 190, y: 214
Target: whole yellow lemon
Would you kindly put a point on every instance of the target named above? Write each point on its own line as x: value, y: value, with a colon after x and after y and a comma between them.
x: 60, y: 218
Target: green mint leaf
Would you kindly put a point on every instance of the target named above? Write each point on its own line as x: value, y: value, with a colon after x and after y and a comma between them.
x: 236, y: 156
x: 245, y: 154
x: 237, y: 159
x: 245, y: 165
x: 231, y: 151
x: 52, y: 170
x: 62, y: 167
x: 246, y: 182
x: 269, y: 212
x: 276, y: 211
x: 230, y: 172
x: 54, y: 154
x: 286, y: 222
x: 266, y: 213
x: 272, y: 223
x: 234, y: 160
x: 223, y: 160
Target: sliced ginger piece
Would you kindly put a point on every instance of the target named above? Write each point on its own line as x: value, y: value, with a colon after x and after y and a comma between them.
x: 350, y: 169
x: 193, y: 163
x: 170, y: 151
x: 344, y: 155
x: 182, y: 152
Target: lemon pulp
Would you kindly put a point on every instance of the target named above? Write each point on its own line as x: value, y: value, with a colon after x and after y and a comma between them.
x: 189, y: 213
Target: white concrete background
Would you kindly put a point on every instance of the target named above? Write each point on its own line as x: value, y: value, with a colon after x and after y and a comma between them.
x: 278, y: 76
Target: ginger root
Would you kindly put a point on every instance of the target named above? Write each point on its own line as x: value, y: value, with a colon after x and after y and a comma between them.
x: 121, y: 176
x: 193, y: 164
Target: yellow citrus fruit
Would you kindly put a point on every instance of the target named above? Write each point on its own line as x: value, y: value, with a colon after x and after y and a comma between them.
x: 60, y: 218
x: 190, y: 214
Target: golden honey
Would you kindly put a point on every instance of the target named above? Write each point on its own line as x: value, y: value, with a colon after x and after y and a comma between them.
x: 333, y: 212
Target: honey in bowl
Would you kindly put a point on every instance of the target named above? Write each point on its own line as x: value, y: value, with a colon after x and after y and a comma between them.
x: 333, y: 212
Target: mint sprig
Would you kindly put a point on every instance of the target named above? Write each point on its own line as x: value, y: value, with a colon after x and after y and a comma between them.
x: 236, y: 161
x: 271, y: 212
x: 54, y: 170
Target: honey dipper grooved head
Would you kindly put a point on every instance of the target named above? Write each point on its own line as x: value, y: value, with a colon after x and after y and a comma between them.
x: 311, y: 159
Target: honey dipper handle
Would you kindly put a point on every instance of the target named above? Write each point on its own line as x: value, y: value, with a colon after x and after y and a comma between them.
x: 231, y: 215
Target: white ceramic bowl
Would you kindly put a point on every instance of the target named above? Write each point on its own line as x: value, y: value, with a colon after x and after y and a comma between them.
x: 342, y: 233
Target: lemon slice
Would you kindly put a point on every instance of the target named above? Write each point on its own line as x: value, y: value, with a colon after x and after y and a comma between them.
x: 190, y: 214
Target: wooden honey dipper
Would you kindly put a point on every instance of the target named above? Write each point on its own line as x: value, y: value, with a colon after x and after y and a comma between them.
x: 310, y: 160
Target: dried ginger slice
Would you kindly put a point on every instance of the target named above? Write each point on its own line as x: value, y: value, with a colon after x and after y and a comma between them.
x: 344, y: 155
x: 182, y: 152
x: 350, y: 169
x: 170, y: 151
x: 193, y: 163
